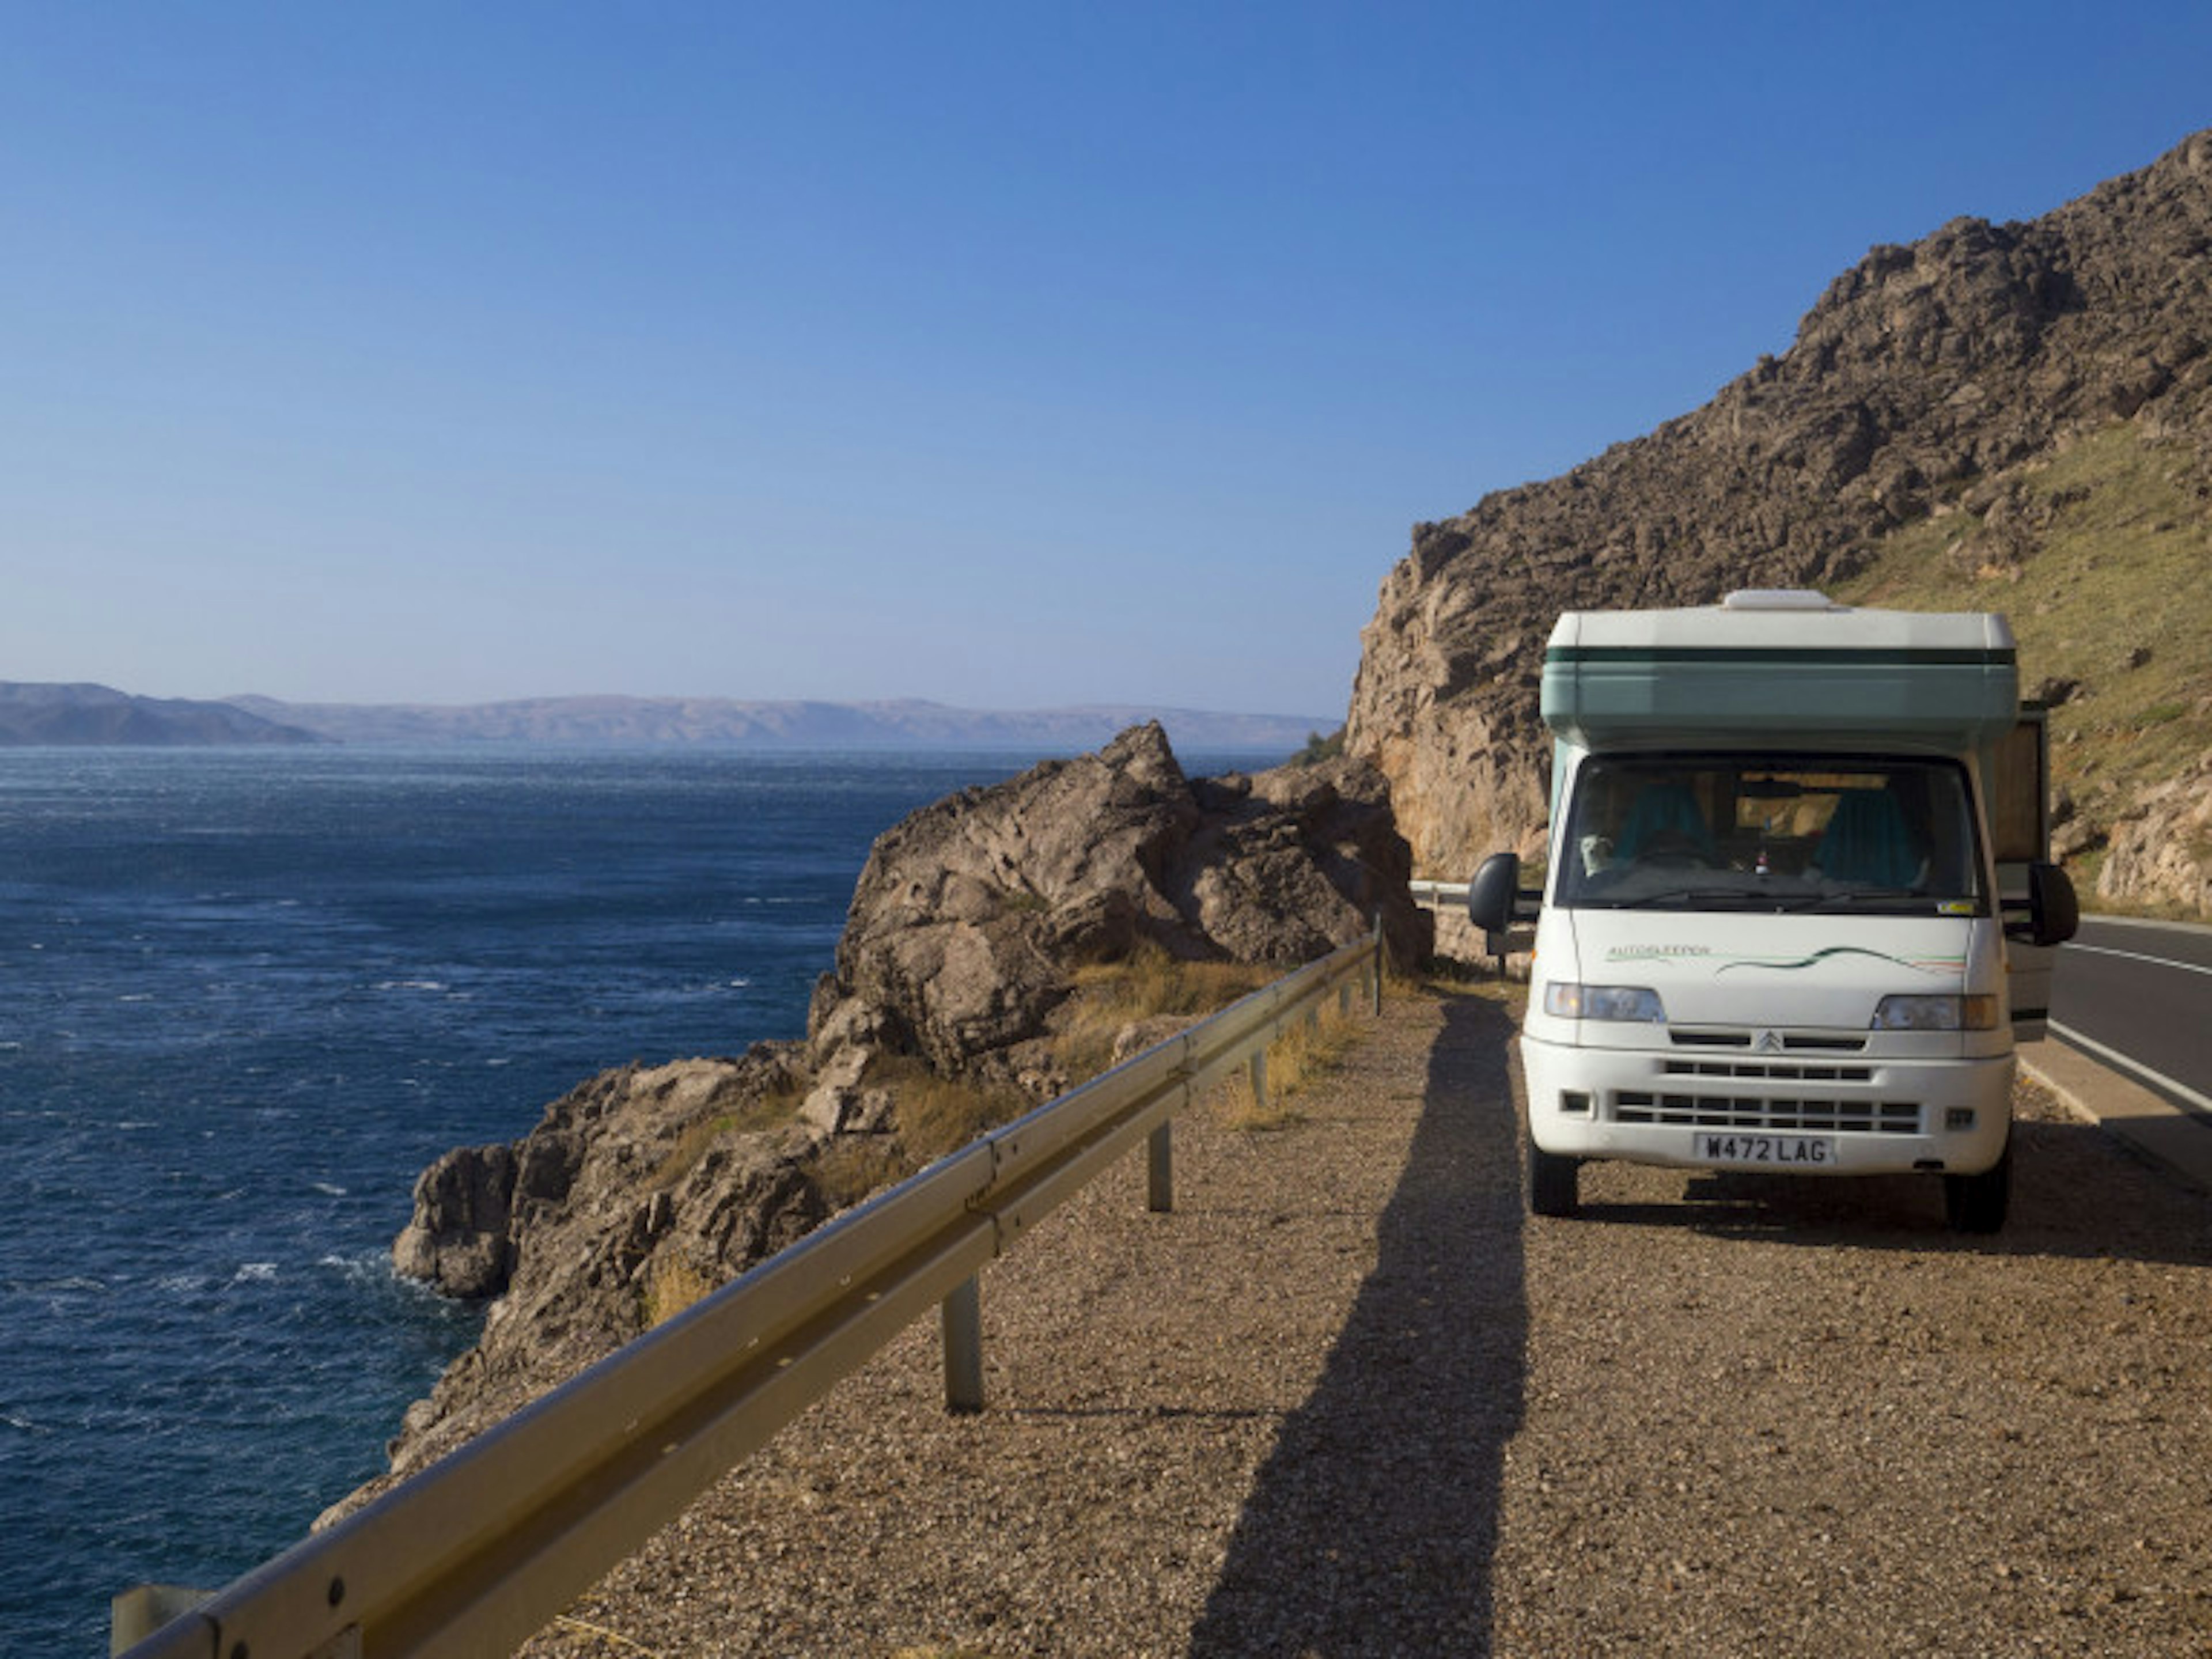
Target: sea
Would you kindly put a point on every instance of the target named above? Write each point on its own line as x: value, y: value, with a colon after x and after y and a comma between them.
x: 250, y: 994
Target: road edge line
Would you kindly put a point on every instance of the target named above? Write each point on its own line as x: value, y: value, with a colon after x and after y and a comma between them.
x: 2171, y: 1136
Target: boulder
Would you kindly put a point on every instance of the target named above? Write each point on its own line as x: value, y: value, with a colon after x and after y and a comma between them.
x: 973, y: 915
x: 459, y: 1238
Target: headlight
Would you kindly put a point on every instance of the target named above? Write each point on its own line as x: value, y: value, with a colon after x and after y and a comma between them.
x: 1565, y: 1000
x: 1935, y: 1013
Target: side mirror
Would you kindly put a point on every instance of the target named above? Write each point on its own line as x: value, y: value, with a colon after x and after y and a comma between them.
x: 1493, y: 898
x: 2054, y: 913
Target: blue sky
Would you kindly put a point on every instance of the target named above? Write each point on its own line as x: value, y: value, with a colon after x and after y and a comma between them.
x: 1010, y: 356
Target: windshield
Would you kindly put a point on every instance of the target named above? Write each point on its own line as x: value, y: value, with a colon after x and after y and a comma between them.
x: 1773, y: 832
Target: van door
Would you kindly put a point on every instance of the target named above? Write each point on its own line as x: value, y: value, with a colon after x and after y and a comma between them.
x: 2020, y: 827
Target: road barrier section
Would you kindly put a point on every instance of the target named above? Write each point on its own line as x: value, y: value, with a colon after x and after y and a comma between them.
x: 476, y: 1553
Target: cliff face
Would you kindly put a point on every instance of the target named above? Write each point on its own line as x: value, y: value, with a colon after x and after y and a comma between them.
x: 1928, y: 380
x: 958, y: 979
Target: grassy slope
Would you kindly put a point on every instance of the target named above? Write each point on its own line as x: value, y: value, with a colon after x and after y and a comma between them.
x: 2109, y: 587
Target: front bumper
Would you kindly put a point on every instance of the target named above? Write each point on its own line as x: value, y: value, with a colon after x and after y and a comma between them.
x: 1884, y: 1114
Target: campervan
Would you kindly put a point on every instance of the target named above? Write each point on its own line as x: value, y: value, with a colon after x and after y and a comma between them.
x: 1796, y: 902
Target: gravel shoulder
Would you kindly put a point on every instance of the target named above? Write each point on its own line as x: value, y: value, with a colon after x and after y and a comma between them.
x: 1349, y: 1400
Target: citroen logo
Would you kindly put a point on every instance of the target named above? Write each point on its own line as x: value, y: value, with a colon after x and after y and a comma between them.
x: 1770, y: 1043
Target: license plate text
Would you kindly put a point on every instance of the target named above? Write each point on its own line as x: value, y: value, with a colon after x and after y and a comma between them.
x: 1780, y: 1151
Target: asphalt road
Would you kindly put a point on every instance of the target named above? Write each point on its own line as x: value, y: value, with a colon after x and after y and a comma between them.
x: 2137, y: 996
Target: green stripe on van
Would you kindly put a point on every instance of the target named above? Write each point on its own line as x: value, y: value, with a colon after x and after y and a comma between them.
x: 1868, y: 657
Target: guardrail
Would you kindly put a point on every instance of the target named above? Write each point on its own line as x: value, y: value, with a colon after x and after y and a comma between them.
x: 478, y: 1552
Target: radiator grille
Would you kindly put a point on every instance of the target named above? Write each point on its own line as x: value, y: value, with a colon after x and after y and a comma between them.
x: 1788, y: 1043
x: 1697, y: 1111
x: 1791, y: 1071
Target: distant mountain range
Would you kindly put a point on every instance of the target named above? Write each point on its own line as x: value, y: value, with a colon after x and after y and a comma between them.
x: 80, y: 716
x: 95, y: 714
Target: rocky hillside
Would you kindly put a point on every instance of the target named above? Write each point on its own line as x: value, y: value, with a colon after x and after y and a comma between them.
x: 1002, y: 945
x: 2013, y: 417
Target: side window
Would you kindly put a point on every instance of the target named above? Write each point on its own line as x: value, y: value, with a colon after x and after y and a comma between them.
x: 2022, y: 787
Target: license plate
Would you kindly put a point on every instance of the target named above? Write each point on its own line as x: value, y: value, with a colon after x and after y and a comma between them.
x: 1775, y: 1152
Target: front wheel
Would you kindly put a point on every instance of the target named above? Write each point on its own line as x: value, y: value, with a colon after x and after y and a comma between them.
x: 1978, y: 1203
x: 1552, y: 1180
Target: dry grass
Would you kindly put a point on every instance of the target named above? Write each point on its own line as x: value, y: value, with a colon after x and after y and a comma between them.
x: 2111, y: 594
x: 673, y: 1283
x: 1309, y: 1050
x: 1145, y: 984
x: 851, y: 1167
x: 1148, y: 982
x: 937, y: 1114
x: 934, y: 1116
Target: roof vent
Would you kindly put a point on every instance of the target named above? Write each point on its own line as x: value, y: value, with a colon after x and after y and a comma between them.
x: 1779, y: 598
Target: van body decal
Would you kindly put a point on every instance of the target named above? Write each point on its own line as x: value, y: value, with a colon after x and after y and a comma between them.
x: 1941, y: 965
x: 1726, y: 961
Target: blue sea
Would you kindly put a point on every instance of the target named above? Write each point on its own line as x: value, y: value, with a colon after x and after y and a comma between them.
x: 249, y: 995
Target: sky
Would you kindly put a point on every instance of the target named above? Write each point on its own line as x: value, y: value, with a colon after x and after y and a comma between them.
x: 1010, y: 355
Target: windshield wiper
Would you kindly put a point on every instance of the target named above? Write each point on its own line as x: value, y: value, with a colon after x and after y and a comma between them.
x: 1761, y: 900
x: 1856, y: 895
x: 1698, y: 898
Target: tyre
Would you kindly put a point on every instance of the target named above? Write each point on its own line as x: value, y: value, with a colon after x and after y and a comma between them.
x: 1978, y: 1203
x: 1552, y: 1181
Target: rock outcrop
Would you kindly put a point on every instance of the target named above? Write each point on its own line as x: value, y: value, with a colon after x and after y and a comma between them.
x: 461, y: 1238
x: 2160, y: 851
x: 972, y: 914
x: 635, y: 1188
x: 1923, y: 383
x: 969, y: 926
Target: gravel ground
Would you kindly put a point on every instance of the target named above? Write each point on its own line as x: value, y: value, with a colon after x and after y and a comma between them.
x: 1347, y: 1400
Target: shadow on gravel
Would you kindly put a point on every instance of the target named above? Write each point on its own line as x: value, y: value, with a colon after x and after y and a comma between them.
x: 1369, y: 1529
x: 2078, y: 1193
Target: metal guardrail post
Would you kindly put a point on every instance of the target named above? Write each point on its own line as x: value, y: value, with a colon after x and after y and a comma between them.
x: 1159, y: 1168
x: 961, y: 1317
x: 137, y: 1613
x: 1257, y: 1067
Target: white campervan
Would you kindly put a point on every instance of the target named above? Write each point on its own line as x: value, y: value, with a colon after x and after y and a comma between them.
x: 1772, y: 934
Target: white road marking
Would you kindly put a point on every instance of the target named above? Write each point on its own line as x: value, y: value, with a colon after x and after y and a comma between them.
x: 2138, y: 955
x: 2135, y: 1067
